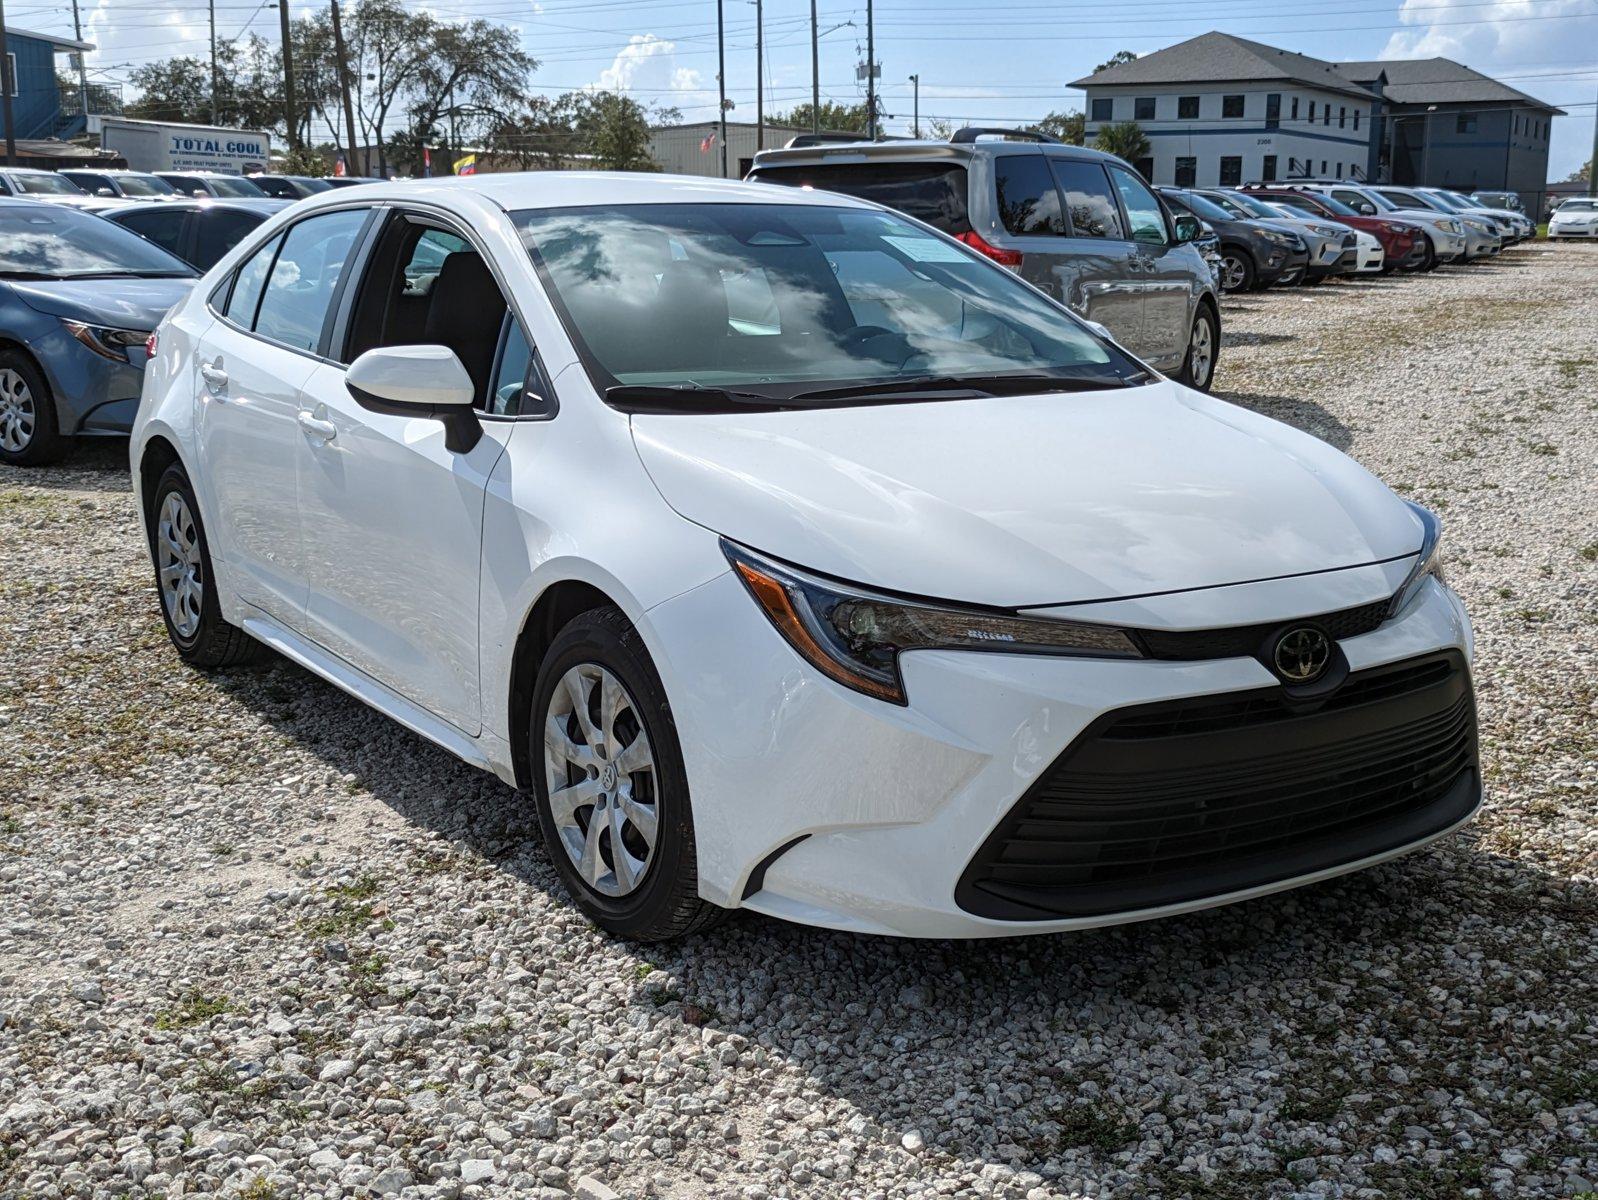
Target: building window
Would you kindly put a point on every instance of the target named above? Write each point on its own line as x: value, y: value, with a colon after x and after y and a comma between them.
x: 1231, y: 106
x: 1293, y: 116
x: 11, y: 71
x: 1342, y: 117
x: 1186, y: 172
x: 1326, y: 115
x: 1339, y: 170
x: 1268, y: 173
x: 1323, y: 166
x: 1143, y: 108
x: 1187, y: 108
x: 1465, y: 123
x: 1231, y: 170
x: 1356, y: 120
x: 1312, y: 112
x: 1103, y: 110
x: 1273, y: 110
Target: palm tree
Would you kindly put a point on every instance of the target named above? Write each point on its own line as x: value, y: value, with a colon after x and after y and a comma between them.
x: 1124, y: 139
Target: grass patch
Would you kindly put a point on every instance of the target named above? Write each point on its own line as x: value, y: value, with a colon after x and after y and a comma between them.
x: 195, y: 1009
x: 353, y: 910
x: 1094, y: 1128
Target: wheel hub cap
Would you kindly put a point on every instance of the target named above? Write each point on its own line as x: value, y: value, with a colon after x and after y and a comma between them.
x: 600, y: 772
x: 17, y: 412
x: 178, y: 563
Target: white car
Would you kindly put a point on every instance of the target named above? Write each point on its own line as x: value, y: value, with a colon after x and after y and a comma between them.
x: 30, y: 183
x: 1575, y: 218
x: 1372, y: 258
x: 789, y: 555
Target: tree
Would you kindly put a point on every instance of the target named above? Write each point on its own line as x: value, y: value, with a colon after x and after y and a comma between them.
x: 102, y: 97
x: 387, y: 44
x: 615, y: 130
x: 1067, y: 126
x: 302, y: 160
x: 1581, y: 175
x: 1116, y: 59
x: 473, y: 72
x: 249, y: 92
x: 836, y: 118
x: 1124, y: 139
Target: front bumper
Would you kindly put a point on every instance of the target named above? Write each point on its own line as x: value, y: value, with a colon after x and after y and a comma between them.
x: 1450, y: 247
x: 1372, y: 259
x: 1587, y: 229
x: 1481, y: 245
x: 818, y: 805
x: 1281, y: 265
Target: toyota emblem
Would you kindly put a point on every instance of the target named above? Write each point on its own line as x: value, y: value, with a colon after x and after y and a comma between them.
x: 1302, y: 654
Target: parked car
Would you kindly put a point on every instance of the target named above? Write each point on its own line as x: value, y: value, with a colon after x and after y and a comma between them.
x: 1445, y: 233
x: 344, y: 181
x: 1577, y: 217
x: 1077, y: 223
x: 121, y: 185
x: 1208, y: 243
x: 1482, y: 237
x: 1505, y: 200
x: 29, y: 183
x: 1254, y: 255
x: 199, y: 232
x: 1404, y: 244
x: 78, y: 299
x: 1331, y: 249
x: 290, y: 187
x: 212, y: 183
x: 964, y: 595
x: 1512, y: 226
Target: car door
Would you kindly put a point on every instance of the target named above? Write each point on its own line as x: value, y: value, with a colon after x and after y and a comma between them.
x: 252, y: 364
x: 1168, y: 270
x: 1098, y: 273
x: 393, y: 518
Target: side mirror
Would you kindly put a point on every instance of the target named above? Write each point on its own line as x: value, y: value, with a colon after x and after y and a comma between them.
x: 1366, y: 208
x: 104, y: 191
x: 418, y: 381
x: 1188, y: 228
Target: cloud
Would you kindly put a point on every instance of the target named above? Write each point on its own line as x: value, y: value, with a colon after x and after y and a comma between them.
x: 1494, y: 36
x: 647, y: 68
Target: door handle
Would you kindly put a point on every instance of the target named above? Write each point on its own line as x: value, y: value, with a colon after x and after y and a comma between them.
x: 316, y: 427
x: 213, y: 374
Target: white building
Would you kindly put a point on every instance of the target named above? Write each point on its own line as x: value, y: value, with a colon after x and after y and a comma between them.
x: 695, y: 149
x: 1220, y: 110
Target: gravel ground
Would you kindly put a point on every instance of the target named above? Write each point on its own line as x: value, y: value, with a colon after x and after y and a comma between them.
x: 257, y: 941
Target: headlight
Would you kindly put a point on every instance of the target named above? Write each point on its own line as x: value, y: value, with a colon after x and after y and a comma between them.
x: 1428, y: 563
x: 1326, y: 231
x: 1283, y: 238
x: 1451, y: 226
x: 107, y: 342
x: 1392, y: 228
x: 855, y: 636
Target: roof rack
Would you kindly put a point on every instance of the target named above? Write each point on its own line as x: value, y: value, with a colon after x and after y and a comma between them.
x: 800, y: 140
x: 971, y: 133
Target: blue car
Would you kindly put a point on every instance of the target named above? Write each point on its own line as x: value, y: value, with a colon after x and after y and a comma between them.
x: 79, y: 297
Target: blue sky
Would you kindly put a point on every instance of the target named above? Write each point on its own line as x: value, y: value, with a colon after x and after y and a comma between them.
x: 996, y: 61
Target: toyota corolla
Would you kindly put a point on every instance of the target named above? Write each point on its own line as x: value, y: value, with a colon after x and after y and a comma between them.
x: 788, y: 555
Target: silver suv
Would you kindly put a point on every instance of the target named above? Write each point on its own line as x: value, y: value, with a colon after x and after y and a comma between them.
x: 1079, y: 224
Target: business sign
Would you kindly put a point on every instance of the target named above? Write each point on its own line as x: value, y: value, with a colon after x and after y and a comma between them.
x: 230, y: 152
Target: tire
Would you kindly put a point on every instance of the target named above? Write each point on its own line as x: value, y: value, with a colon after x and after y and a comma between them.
x: 182, y: 561
x: 1428, y: 260
x: 645, y: 892
x: 1237, y: 270
x: 30, y: 434
x: 1198, y: 372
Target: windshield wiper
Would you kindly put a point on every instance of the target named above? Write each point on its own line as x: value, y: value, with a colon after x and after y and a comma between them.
x: 692, y: 398
x: 989, y: 385
x: 27, y: 275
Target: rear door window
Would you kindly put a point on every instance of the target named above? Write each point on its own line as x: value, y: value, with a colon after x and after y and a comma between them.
x: 928, y: 191
x: 217, y: 231
x: 163, y: 226
x: 1029, y: 203
x: 300, y: 288
x: 1089, y: 202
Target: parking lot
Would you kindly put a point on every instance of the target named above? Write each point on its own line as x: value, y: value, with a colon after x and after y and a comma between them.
x: 258, y: 940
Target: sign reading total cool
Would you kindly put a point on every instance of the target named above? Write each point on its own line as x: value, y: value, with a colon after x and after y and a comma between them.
x: 168, y: 146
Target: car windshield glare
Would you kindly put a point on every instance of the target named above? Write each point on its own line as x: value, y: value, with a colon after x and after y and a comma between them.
x: 1204, y: 207
x: 782, y: 299
x: 146, y: 185
x: 1579, y: 206
x: 48, y: 185
x: 227, y: 185
x: 46, y: 242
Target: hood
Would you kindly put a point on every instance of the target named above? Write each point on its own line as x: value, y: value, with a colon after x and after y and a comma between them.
x: 119, y: 303
x: 1029, y: 501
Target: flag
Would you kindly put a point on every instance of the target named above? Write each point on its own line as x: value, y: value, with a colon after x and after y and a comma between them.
x: 339, y: 169
x: 466, y: 165
x: 708, y: 142
x: 427, y: 163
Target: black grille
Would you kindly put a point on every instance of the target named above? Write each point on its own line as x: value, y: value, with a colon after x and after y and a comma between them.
x: 1240, y: 641
x: 1170, y: 802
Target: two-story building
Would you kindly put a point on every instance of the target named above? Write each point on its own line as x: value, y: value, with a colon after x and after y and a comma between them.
x: 31, y: 73
x: 1220, y: 110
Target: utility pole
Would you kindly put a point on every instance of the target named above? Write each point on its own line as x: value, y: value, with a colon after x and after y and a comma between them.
x: 915, y: 127
x: 83, y: 68
x: 721, y: 82
x: 871, y: 75
x: 211, y: 4
x: 760, y: 77
x: 5, y: 92
x: 1592, y: 163
x: 288, y: 74
x: 344, y: 84
x: 815, y: 72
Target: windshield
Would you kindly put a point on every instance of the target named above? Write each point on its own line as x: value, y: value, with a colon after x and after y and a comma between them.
x: 229, y: 185
x: 776, y: 299
x: 47, y: 185
x: 58, y: 243
x: 1578, y: 206
x: 1329, y: 203
x: 1249, y: 206
x: 145, y: 185
x: 1382, y: 203
x: 1207, y: 209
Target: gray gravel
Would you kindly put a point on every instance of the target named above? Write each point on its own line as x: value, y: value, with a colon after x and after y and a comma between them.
x: 257, y: 941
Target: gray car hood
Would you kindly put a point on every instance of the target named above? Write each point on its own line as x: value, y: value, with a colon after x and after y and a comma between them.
x: 119, y: 303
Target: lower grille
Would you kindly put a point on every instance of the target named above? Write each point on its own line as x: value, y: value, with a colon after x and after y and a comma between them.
x: 1165, y: 803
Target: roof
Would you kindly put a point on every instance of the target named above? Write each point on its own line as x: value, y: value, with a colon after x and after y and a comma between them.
x: 696, y: 126
x: 1438, y: 81
x: 266, y: 206
x: 1224, y: 58
x: 912, y: 150
x: 55, y: 39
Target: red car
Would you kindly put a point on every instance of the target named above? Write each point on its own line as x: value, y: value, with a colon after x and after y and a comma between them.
x: 1403, y: 243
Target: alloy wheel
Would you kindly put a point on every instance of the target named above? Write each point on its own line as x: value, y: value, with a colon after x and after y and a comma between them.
x: 18, y: 412
x: 600, y: 772
x: 1201, y: 352
x: 178, y: 563
x: 1233, y: 273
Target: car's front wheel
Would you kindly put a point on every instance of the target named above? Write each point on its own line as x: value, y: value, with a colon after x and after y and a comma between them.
x: 1203, y: 348
x: 1237, y: 270
x: 610, y: 786
x: 29, y: 433
x: 184, y: 580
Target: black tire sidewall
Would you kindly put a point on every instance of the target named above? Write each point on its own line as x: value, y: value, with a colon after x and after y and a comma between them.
x: 1204, y: 313
x: 604, y: 639
x: 47, y: 444
x: 1249, y: 274
x: 211, y: 623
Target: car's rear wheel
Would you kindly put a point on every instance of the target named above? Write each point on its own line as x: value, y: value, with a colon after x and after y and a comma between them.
x: 1237, y: 270
x: 610, y: 786
x: 1203, y: 348
x: 30, y: 435
x: 184, y: 581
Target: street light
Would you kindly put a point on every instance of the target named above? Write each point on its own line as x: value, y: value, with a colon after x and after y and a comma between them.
x: 915, y: 127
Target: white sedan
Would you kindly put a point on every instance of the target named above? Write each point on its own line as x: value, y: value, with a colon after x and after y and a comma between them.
x: 1371, y: 255
x: 1575, y: 218
x: 790, y: 556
